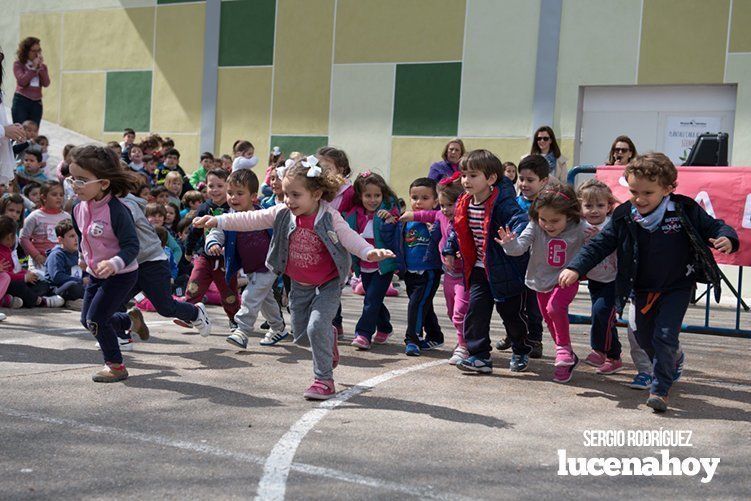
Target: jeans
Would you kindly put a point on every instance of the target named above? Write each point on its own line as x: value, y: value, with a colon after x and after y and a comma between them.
x: 375, y: 315
x: 421, y: 289
x: 24, y: 109
x: 70, y: 291
x: 477, y: 322
x: 204, y: 272
x: 603, y: 335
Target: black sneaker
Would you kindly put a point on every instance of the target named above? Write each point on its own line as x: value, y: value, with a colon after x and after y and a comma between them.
x: 519, y: 363
x: 503, y: 345
x: 265, y: 326
x: 536, y: 349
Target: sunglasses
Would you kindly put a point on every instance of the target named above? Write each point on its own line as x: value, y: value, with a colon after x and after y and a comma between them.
x: 544, y: 139
x: 621, y: 150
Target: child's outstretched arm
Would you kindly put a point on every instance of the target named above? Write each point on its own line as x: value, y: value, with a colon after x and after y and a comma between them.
x: 354, y: 243
x: 242, y: 221
x: 421, y: 216
x: 513, y: 244
x: 599, y: 247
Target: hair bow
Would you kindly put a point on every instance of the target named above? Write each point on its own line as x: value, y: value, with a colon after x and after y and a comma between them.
x: 313, y: 168
x: 276, y: 151
x: 448, y: 180
x: 365, y: 173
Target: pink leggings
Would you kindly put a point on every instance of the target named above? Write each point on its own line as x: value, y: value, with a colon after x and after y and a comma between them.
x: 554, y: 309
x: 4, y: 283
x: 457, y: 302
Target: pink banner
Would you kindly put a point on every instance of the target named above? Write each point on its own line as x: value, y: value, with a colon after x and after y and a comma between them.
x: 724, y: 192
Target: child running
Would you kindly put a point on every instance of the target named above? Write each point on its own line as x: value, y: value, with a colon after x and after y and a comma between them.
x: 312, y: 244
x: 663, y: 243
x: 554, y: 234
x: 109, y: 247
x: 375, y: 219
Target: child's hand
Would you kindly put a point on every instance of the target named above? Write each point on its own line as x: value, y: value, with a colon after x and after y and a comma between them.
x: 30, y: 277
x: 505, y: 235
x: 376, y: 255
x: 82, y: 265
x: 407, y: 216
x: 386, y: 216
x: 40, y: 259
x: 105, y: 269
x: 85, y: 280
x: 215, y: 250
x: 591, y: 231
x: 722, y: 244
x: 205, y: 222
x: 567, y: 277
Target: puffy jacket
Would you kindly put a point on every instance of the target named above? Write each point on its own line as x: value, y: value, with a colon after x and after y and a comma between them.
x: 384, y: 234
x: 620, y: 235
x: 505, y: 273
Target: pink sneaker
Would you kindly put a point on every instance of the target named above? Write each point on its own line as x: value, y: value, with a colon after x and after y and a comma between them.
x: 335, y: 360
x: 610, y: 366
x: 391, y: 292
x: 564, y: 356
x: 359, y: 289
x: 361, y: 342
x: 320, y: 390
x: 381, y: 337
x: 563, y: 373
x: 595, y: 358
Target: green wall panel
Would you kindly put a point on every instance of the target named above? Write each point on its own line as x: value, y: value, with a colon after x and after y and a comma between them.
x: 128, y: 102
x: 426, y: 99
x: 246, y: 36
x: 307, y: 145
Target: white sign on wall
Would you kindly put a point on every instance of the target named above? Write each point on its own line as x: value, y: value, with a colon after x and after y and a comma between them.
x: 681, y: 132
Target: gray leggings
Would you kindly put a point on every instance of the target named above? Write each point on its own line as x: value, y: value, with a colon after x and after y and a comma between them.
x: 313, y: 309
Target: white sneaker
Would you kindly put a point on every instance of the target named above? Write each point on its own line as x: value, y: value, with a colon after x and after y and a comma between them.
x: 125, y: 344
x: 74, y: 304
x: 54, y: 302
x: 272, y: 337
x: 15, y: 302
x: 202, y: 322
x: 2, y: 317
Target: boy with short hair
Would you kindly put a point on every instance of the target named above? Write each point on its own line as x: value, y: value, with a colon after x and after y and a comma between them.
x: 663, y: 245
x: 62, y: 270
x: 191, y: 200
x: 207, y: 163
x: 115, y: 146
x: 160, y: 195
x: 129, y: 138
x: 170, y: 163
x: 30, y: 169
x: 493, y: 278
x: 248, y: 250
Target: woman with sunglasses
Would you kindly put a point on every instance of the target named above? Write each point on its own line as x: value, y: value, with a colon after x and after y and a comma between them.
x: 8, y: 132
x: 544, y: 143
x: 31, y: 75
x: 621, y: 151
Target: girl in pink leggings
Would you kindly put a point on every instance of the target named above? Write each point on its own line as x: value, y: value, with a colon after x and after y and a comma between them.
x: 555, y: 234
x: 454, y: 290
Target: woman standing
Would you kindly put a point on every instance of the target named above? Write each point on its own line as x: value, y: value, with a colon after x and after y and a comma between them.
x: 31, y: 75
x: 452, y: 153
x: 621, y: 151
x: 8, y: 132
x: 544, y: 143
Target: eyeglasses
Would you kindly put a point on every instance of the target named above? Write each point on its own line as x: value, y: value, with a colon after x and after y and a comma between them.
x: 621, y: 150
x: 79, y: 183
x: 544, y: 139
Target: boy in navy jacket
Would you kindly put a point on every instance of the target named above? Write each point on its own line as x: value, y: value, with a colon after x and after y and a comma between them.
x: 63, y: 273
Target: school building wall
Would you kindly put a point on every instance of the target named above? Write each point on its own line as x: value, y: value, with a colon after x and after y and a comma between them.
x: 390, y: 81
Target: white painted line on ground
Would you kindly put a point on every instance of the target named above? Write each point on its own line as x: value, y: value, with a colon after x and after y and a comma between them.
x: 315, y: 471
x: 273, y: 483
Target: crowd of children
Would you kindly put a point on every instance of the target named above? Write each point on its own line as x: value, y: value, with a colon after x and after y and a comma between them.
x: 121, y: 223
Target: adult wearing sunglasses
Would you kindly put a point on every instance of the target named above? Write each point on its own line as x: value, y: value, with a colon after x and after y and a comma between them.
x: 31, y: 75
x: 8, y: 132
x: 622, y: 151
x: 544, y: 143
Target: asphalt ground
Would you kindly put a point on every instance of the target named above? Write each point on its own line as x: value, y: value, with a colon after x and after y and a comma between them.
x: 202, y: 419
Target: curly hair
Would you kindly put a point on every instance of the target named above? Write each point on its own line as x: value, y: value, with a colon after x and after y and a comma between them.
x: 24, y: 47
x: 328, y: 181
x: 560, y: 198
x: 104, y: 163
x: 655, y: 167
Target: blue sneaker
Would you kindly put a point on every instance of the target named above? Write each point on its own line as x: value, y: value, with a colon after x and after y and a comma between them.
x: 679, y: 367
x: 642, y: 381
x: 412, y: 350
x: 476, y: 364
x: 429, y: 345
x: 519, y: 363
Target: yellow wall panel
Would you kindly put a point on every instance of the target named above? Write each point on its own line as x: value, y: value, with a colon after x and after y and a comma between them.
x: 411, y: 158
x: 302, y: 66
x: 189, y: 146
x: 507, y: 149
x: 176, y: 97
x: 399, y: 31
x: 83, y: 107
x: 683, y: 41
x: 243, y: 109
x: 740, y: 35
x: 108, y: 39
x: 47, y: 28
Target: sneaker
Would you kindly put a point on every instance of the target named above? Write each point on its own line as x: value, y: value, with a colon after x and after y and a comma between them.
x: 679, y: 367
x: 272, y: 337
x: 2, y: 317
x: 595, y: 358
x: 476, y: 364
x: 611, y: 366
x: 563, y: 373
x: 335, y: 354
x: 54, y: 301
x: 265, y: 326
x: 238, y: 338
x: 519, y: 363
x: 361, y: 342
x: 460, y: 353
x: 181, y: 323
x: 74, y: 304
x: 412, y: 350
x: 536, y: 349
x: 137, y: 324
x: 564, y: 356
x: 642, y: 381
x: 110, y: 374
x: 381, y: 337
x: 339, y: 332
x: 504, y: 344
x: 126, y: 344
x: 430, y: 345
x: 320, y: 390
x: 231, y: 322
x: 657, y: 402
x: 202, y: 321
